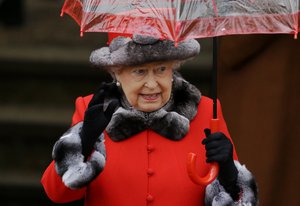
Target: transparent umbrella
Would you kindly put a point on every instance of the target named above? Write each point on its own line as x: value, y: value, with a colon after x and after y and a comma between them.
x: 182, y: 19
x: 178, y: 20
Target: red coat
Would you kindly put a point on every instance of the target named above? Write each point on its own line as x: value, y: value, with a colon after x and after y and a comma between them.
x: 146, y: 169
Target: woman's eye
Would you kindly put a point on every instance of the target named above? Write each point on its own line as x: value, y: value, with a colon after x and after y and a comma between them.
x: 161, y: 69
x: 139, y: 71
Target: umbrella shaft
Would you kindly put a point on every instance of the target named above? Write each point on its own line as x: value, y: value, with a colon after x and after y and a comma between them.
x: 214, y: 92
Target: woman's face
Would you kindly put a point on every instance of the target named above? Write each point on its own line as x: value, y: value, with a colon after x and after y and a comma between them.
x: 147, y: 87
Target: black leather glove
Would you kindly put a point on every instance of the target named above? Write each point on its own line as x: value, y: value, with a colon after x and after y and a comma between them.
x: 220, y: 149
x: 97, y: 117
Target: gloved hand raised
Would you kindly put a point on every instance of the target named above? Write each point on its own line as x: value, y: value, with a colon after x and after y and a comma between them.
x: 97, y: 116
x: 220, y: 149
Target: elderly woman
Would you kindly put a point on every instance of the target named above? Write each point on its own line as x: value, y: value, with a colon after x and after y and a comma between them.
x: 128, y: 143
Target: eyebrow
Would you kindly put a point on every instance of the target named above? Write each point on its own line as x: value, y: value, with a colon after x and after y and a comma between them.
x: 153, y: 64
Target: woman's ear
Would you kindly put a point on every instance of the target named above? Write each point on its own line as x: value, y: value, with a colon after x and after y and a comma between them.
x: 115, y: 72
x: 115, y: 76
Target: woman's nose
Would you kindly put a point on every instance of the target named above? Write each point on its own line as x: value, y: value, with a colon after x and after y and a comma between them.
x: 151, y: 82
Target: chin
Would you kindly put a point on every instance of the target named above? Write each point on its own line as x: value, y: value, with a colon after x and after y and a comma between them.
x: 150, y: 108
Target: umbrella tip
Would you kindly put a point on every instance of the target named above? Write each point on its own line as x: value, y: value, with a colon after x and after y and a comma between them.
x: 81, y: 33
x: 176, y: 42
x: 62, y: 13
x: 296, y: 35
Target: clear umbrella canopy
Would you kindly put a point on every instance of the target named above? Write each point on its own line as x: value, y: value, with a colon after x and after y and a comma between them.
x: 178, y: 20
x: 182, y: 19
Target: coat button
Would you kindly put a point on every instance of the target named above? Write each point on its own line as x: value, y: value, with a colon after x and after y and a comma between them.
x: 150, y: 147
x: 149, y: 198
x: 150, y: 172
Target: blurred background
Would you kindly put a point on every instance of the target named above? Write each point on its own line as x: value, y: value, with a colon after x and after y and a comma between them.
x: 44, y: 67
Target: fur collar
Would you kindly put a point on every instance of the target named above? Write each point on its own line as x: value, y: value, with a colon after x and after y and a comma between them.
x: 172, y: 121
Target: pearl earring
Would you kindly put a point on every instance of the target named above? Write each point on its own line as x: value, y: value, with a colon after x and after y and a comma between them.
x: 118, y: 84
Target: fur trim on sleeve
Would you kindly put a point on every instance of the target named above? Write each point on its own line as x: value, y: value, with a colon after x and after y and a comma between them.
x: 69, y: 161
x: 217, y: 196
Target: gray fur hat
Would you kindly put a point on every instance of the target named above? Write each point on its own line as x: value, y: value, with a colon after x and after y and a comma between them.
x: 140, y: 49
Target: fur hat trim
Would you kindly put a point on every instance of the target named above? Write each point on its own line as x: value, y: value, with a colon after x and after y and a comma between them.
x: 69, y: 161
x: 124, y: 51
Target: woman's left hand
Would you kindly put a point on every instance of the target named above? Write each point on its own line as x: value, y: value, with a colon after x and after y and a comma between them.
x: 220, y: 149
x: 97, y: 117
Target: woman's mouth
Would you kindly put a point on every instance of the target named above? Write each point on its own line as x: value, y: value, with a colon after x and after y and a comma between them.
x: 150, y: 97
